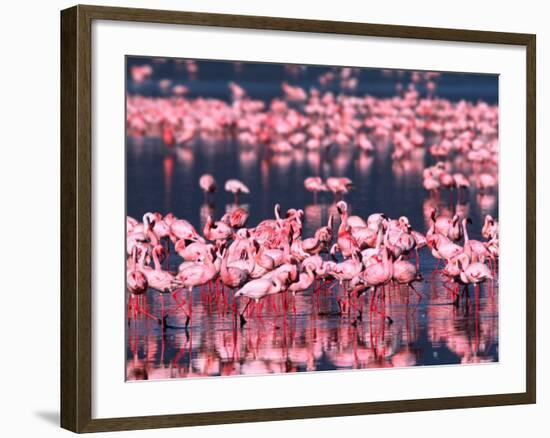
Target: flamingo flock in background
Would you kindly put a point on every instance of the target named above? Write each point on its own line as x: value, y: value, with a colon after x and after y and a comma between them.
x: 321, y: 121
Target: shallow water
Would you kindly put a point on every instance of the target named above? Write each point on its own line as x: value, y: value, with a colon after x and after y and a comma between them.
x: 303, y: 333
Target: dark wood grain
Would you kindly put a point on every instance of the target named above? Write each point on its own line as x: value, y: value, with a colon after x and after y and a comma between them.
x: 69, y: 347
x: 531, y: 221
x: 76, y: 222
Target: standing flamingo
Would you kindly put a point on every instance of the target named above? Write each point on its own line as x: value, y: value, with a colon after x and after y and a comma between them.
x: 339, y: 185
x: 378, y: 274
x: 305, y: 280
x: 255, y: 290
x: 475, y: 249
x: 315, y: 185
x: 207, y: 183
x: 236, y: 187
x: 160, y: 280
x: 217, y: 230
x: 404, y: 272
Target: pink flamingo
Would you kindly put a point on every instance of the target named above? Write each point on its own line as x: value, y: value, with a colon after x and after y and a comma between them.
x: 420, y: 242
x: 485, y: 182
x: 315, y: 185
x: 378, y: 274
x: 160, y: 280
x: 462, y: 183
x: 345, y: 243
x: 443, y: 248
x: 339, y: 185
x: 404, y: 272
x: 473, y: 273
x: 255, y: 290
x: 182, y: 229
x: 130, y: 224
x: 198, y: 274
x: 430, y: 183
x: 490, y: 228
x: 217, y: 230
x: 236, y: 187
x: 349, y: 268
x: 356, y: 221
x: 320, y: 241
x: 236, y: 218
x: 445, y: 225
x: 232, y: 277
x: 475, y: 249
x: 207, y: 183
x: 191, y: 251
x: 305, y: 280
x: 136, y: 283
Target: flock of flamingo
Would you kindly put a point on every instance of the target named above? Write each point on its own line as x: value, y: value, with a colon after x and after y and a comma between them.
x: 320, y: 121
x: 359, y: 257
x: 263, y: 268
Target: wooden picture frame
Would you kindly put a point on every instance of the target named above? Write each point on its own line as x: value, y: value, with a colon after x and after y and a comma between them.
x: 76, y: 217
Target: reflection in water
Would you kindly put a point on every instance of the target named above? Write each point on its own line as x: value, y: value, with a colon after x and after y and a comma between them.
x: 312, y: 337
x: 287, y: 333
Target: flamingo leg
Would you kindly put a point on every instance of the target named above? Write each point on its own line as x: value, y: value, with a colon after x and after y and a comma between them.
x: 243, y: 320
x: 418, y: 294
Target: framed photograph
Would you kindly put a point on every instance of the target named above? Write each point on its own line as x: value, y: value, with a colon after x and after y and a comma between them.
x: 268, y: 218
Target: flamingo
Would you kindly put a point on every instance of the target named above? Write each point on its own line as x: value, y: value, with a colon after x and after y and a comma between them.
x: 490, y: 228
x: 374, y: 220
x: 198, y: 274
x: 130, y: 224
x: 475, y: 249
x: 320, y: 241
x: 236, y: 187
x: 236, y: 218
x: 378, y: 274
x: 191, y: 251
x: 207, y: 183
x: 345, y: 243
x: 349, y: 268
x: 443, y: 248
x: 404, y: 272
x: 474, y: 273
x: 232, y: 277
x: 136, y: 281
x: 217, y: 230
x: 160, y: 280
x: 315, y: 185
x: 461, y: 182
x: 339, y: 185
x: 182, y: 229
x: 255, y: 290
x: 305, y: 280
x: 485, y: 182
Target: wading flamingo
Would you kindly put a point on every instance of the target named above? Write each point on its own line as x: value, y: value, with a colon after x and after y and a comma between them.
x: 255, y: 290
x: 314, y: 184
x: 236, y: 187
x: 207, y: 183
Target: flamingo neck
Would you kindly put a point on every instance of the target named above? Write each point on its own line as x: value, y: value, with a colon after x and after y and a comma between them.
x: 465, y: 230
x: 133, y: 259
x: 251, y: 258
x: 379, y: 237
x: 142, y: 259
x: 344, y: 223
x: 156, y: 261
